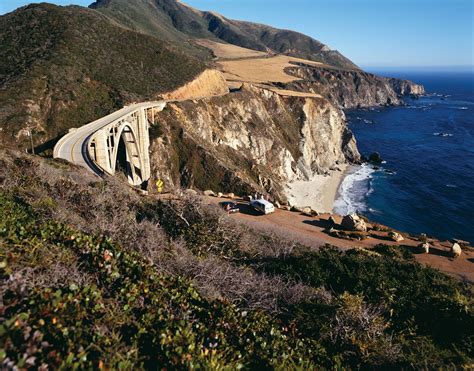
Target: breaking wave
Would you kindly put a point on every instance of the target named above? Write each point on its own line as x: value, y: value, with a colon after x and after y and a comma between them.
x: 354, y: 190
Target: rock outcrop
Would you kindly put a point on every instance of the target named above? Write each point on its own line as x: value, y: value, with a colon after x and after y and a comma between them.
x: 352, y: 89
x: 353, y: 222
x: 424, y: 247
x: 456, y: 250
x: 395, y: 236
x: 253, y: 139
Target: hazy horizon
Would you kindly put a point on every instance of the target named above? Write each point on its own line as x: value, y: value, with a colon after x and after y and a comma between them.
x: 435, y: 34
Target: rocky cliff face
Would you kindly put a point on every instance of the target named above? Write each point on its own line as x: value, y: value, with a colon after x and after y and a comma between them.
x: 352, y: 89
x: 253, y: 139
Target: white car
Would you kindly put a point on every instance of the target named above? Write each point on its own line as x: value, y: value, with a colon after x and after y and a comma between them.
x: 263, y: 206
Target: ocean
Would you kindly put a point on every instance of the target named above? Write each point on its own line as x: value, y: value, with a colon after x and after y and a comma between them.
x: 426, y: 181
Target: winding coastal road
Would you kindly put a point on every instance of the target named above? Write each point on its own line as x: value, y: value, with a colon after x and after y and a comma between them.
x: 73, y: 146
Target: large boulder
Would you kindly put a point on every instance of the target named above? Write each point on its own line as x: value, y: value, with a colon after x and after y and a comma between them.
x: 395, y: 236
x: 375, y: 158
x: 424, y: 247
x: 308, y: 211
x: 297, y: 209
x: 456, y: 250
x: 209, y: 193
x: 354, y: 222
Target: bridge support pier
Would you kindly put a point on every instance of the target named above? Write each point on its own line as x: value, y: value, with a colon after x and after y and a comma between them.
x: 132, y: 129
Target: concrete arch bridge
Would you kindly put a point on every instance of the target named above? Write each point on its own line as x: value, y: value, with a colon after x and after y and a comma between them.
x: 117, y: 142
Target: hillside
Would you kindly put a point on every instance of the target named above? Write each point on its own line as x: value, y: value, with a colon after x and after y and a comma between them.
x: 161, y: 18
x: 93, y: 276
x: 63, y: 67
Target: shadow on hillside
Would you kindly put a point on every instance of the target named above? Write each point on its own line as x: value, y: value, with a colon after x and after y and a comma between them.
x: 47, y: 148
x: 248, y: 210
x: 440, y: 252
x: 320, y: 223
x: 382, y: 238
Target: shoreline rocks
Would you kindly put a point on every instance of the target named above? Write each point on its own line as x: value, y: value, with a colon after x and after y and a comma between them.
x: 354, y: 222
x: 424, y: 247
x: 395, y: 236
x: 375, y: 158
x: 456, y: 250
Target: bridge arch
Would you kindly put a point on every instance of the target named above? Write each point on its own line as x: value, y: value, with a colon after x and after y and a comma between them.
x: 126, y: 134
x: 97, y: 145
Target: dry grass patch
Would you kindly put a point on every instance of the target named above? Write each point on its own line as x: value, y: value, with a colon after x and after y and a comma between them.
x: 229, y: 51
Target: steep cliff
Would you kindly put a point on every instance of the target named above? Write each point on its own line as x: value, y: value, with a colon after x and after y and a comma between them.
x: 253, y: 139
x: 351, y: 89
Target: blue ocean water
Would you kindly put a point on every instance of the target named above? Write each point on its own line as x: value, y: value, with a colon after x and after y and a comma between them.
x: 426, y: 183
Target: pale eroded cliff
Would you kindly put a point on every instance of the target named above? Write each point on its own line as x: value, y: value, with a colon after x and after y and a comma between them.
x: 253, y: 139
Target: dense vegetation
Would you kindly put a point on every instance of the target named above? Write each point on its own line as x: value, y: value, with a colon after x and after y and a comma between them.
x: 94, y: 276
x: 64, y: 67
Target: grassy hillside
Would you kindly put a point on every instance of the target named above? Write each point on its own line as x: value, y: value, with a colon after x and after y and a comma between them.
x: 64, y: 67
x: 262, y: 37
x: 166, y: 19
x: 91, y: 275
x: 171, y: 20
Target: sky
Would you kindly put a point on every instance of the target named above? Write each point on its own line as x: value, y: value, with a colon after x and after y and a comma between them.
x: 372, y: 33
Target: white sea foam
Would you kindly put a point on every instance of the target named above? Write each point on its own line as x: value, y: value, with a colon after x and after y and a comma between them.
x: 353, y: 191
x: 442, y: 134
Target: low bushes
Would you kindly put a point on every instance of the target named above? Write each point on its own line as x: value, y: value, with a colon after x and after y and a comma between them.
x: 93, y: 276
x: 420, y: 305
x: 131, y: 316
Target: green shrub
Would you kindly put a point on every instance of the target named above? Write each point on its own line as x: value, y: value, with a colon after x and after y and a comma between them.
x: 133, y: 315
x: 72, y: 299
x: 421, y: 303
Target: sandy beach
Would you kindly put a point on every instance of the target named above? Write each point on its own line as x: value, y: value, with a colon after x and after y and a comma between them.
x: 319, y: 193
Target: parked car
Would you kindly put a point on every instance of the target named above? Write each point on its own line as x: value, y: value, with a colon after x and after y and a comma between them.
x: 263, y: 206
x: 230, y: 207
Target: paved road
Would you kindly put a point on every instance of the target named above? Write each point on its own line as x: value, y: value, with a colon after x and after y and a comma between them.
x: 73, y: 146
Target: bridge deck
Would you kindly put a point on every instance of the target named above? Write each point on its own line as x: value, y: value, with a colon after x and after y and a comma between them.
x: 73, y: 146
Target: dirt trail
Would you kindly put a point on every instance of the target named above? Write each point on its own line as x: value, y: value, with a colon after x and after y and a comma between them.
x: 310, y: 232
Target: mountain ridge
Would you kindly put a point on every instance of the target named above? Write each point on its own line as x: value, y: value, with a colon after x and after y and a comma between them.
x: 206, y: 24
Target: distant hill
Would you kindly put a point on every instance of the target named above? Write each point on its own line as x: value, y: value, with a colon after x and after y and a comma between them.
x: 174, y: 21
x: 63, y: 67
